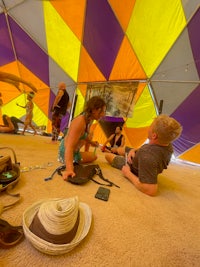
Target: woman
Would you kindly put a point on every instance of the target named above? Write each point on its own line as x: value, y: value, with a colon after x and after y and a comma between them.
x: 116, y: 140
x: 77, y: 135
x: 29, y: 113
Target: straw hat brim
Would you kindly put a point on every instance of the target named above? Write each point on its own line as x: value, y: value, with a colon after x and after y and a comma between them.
x: 55, y: 249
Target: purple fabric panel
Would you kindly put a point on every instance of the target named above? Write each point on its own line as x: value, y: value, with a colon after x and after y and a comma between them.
x: 194, y: 34
x: 6, y: 51
x: 64, y: 122
x: 51, y: 100
x: 112, y: 119
x: 188, y: 114
x: 102, y: 35
x: 29, y: 53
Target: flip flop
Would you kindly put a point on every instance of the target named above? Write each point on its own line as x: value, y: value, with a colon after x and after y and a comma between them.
x: 10, y: 235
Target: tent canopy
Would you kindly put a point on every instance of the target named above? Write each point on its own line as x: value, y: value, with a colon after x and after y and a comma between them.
x: 81, y: 42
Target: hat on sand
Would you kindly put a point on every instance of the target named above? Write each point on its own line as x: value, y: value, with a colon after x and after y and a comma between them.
x: 56, y: 226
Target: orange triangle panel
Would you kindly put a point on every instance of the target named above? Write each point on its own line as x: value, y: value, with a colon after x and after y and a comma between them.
x: 126, y: 64
x: 88, y: 71
x: 123, y: 10
x: 72, y: 12
x: 192, y: 155
x: 135, y: 137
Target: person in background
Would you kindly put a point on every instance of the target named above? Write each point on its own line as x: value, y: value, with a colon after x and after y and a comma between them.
x: 77, y: 135
x: 59, y: 109
x: 116, y: 140
x: 29, y: 113
x: 8, y: 126
x: 144, y: 165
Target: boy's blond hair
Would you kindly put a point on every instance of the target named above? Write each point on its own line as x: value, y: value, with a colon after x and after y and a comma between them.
x: 167, y: 128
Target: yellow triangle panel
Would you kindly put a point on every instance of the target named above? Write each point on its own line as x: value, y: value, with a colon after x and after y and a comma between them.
x: 63, y: 45
x: 144, y: 111
x: 152, y: 41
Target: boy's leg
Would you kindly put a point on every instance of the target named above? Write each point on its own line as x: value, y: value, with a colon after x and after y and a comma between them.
x: 87, y: 157
x: 116, y: 161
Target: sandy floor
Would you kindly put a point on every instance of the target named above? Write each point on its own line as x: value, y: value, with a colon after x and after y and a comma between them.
x: 131, y: 229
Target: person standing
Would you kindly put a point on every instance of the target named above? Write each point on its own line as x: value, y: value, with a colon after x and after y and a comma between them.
x: 59, y: 109
x: 29, y: 112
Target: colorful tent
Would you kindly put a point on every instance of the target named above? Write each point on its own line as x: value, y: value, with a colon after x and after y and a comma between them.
x: 153, y: 42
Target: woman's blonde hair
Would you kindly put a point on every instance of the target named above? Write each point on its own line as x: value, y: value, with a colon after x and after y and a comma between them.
x: 167, y: 128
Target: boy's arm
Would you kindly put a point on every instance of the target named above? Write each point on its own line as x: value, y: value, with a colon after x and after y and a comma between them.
x: 148, y: 189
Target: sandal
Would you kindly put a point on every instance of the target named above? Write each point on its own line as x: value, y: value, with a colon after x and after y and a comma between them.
x: 10, y: 235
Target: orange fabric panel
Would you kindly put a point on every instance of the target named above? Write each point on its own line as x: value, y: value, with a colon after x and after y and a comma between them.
x: 26, y: 74
x: 73, y: 13
x: 83, y: 89
x: 9, y: 91
x: 126, y: 65
x: 192, y: 155
x: 135, y: 137
x: 123, y: 10
x: 98, y: 133
x: 88, y: 71
x: 140, y: 89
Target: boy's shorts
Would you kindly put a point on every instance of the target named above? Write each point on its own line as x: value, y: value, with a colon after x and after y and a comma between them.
x: 119, y: 161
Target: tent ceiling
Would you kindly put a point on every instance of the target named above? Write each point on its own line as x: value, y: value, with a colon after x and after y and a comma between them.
x: 83, y: 41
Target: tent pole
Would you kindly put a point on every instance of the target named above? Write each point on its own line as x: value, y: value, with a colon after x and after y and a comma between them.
x: 174, y: 81
x: 153, y: 97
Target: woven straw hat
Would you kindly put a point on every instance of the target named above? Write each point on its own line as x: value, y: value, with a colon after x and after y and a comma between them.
x: 55, y: 226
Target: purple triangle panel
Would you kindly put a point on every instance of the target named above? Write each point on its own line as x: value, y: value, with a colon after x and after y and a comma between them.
x: 102, y: 35
x: 194, y: 34
x: 6, y: 51
x: 112, y: 119
x: 29, y: 53
x: 51, y: 100
x: 188, y: 115
x: 64, y: 122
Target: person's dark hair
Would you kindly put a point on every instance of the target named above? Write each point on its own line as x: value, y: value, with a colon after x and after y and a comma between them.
x: 93, y: 103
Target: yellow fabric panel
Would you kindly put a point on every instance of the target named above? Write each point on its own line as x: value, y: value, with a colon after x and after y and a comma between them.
x: 126, y: 65
x: 88, y: 71
x: 144, y: 111
x: 79, y: 104
x: 39, y: 118
x: 152, y: 42
x: 192, y: 155
x: 135, y: 137
x: 63, y: 45
x: 72, y: 12
x: 123, y: 10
